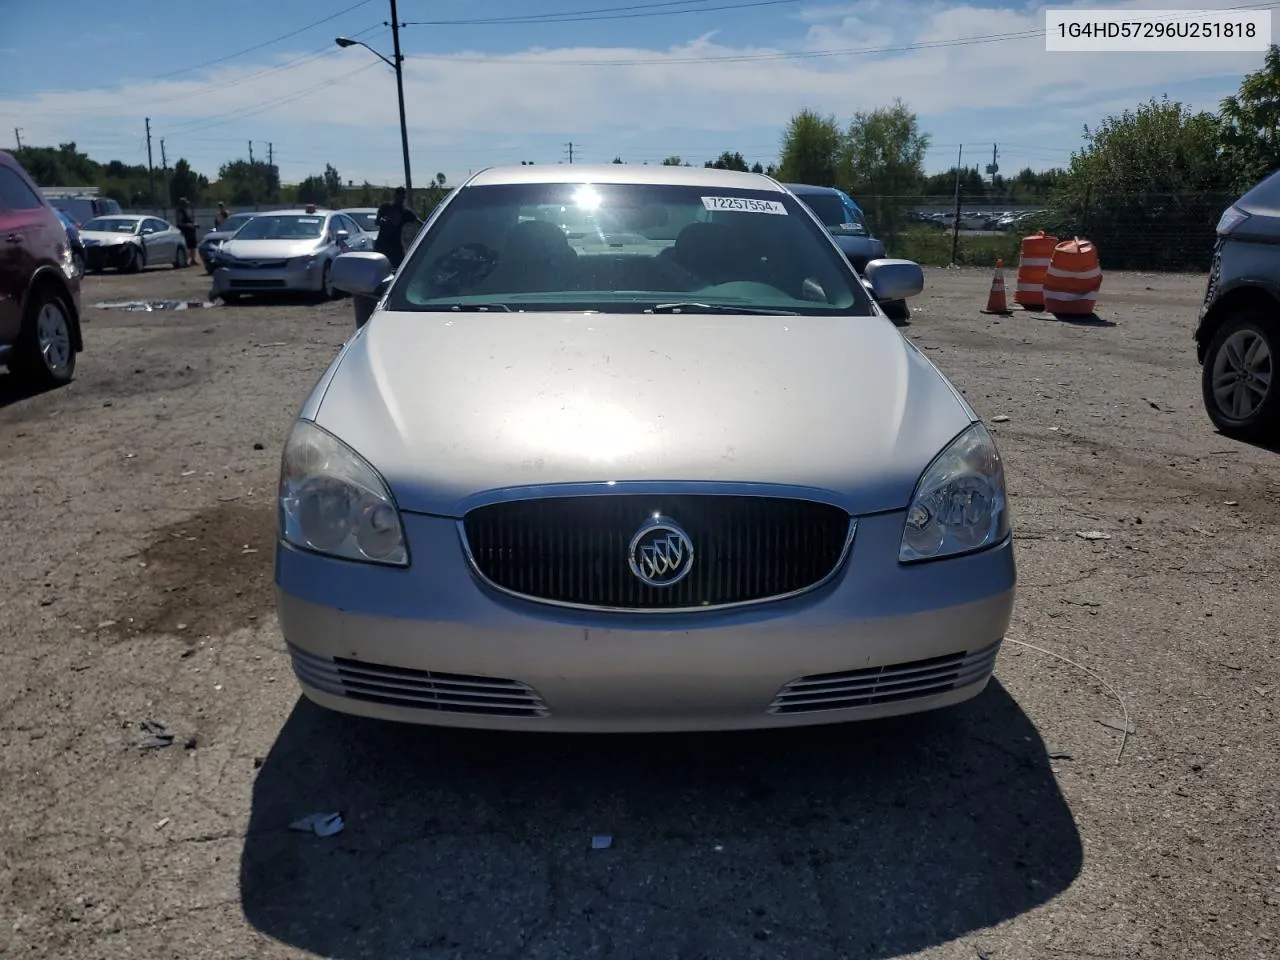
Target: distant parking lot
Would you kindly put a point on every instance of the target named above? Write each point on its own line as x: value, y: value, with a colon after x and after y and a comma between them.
x: 139, y: 510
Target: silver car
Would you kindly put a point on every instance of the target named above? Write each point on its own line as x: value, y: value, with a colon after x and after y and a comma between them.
x: 220, y: 234
x: 286, y: 251
x: 128, y: 242
x: 677, y: 473
x: 365, y: 217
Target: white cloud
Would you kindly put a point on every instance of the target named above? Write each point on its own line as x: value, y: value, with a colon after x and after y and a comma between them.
x: 472, y: 102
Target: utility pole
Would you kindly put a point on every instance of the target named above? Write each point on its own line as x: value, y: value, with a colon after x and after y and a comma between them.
x: 994, y: 168
x: 164, y: 178
x: 404, y: 127
x: 570, y: 146
x: 955, y: 225
x: 151, y: 170
x: 271, y: 162
x: 17, y: 135
x: 251, y: 153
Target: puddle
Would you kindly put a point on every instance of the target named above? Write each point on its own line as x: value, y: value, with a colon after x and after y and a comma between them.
x: 147, y: 306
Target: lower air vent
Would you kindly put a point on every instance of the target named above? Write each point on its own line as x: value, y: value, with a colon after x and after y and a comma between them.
x: 417, y: 689
x: 876, y: 685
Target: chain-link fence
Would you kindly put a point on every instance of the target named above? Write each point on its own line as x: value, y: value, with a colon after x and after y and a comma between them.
x: 1132, y: 230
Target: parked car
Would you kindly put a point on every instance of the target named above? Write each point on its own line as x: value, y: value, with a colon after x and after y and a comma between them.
x: 73, y: 237
x: 1238, y: 334
x: 845, y: 222
x: 286, y: 251
x: 215, y: 238
x: 39, y: 285
x: 130, y: 242
x: 83, y: 209
x: 685, y: 483
x: 365, y: 217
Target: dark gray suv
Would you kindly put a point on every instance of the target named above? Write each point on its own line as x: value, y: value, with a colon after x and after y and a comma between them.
x: 1238, y: 336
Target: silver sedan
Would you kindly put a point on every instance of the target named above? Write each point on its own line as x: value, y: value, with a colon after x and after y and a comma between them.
x: 286, y: 251
x: 671, y: 470
x: 129, y: 242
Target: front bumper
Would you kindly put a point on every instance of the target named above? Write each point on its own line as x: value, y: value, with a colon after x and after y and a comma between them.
x: 431, y: 644
x: 108, y: 256
x: 278, y: 277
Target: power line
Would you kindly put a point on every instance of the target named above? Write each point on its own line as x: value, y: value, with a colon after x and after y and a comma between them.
x: 605, y: 13
x: 265, y: 43
x: 499, y: 61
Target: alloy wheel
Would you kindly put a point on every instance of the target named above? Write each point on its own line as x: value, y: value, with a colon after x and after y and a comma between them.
x: 1242, y: 370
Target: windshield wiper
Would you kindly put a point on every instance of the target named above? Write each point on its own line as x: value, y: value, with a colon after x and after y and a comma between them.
x: 479, y: 307
x: 694, y: 307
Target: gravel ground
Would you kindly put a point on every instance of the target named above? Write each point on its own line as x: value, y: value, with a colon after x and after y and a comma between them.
x: 138, y: 508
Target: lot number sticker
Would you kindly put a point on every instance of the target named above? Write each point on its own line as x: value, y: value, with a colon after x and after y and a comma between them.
x: 744, y: 205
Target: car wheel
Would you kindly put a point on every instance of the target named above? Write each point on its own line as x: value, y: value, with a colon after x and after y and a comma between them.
x: 77, y: 264
x: 45, y: 352
x: 133, y: 263
x: 896, y: 310
x: 326, y: 281
x: 1237, y: 378
x: 229, y: 298
x: 180, y: 258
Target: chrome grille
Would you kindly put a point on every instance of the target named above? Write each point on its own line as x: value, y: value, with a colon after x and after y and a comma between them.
x: 573, y: 551
x: 417, y: 689
x: 876, y: 685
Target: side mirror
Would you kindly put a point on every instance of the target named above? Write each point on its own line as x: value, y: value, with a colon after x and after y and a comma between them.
x: 892, y: 279
x: 361, y: 274
x: 341, y: 235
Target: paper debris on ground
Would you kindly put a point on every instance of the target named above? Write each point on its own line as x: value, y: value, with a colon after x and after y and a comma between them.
x: 1092, y: 535
x: 156, y: 735
x: 321, y: 824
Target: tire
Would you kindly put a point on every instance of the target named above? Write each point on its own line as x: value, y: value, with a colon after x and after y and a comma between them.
x: 896, y: 310
x: 180, y: 258
x: 1237, y: 380
x: 326, y: 283
x: 229, y: 298
x: 134, y: 263
x: 77, y: 262
x: 45, y: 354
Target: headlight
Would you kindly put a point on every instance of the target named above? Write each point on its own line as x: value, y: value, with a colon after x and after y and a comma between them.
x: 333, y: 502
x: 1231, y: 218
x: 306, y: 261
x: 960, y: 504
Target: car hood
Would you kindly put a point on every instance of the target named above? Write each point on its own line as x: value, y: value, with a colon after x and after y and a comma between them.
x: 270, y: 249
x: 106, y: 236
x: 448, y: 407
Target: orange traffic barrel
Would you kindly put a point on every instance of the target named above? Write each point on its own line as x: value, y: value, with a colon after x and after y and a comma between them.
x: 1033, y: 262
x: 1074, y: 276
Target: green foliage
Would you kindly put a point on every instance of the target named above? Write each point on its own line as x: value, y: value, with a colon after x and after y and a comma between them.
x: 882, y: 155
x: 930, y: 247
x: 313, y: 190
x: 1251, y: 125
x: 728, y: 161
x: 672, y: 162
x: 185, y: 182
x: 811, y: 149
x: 247, y: 183
x: 1147, y: 187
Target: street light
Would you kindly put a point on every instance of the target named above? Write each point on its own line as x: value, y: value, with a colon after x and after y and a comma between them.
x: 396, y: 66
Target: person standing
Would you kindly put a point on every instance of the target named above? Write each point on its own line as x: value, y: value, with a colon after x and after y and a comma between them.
x: 187, y: 225
x: 392, y: 218
x: 221, y: 215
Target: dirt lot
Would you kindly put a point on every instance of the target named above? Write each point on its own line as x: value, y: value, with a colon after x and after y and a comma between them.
x: 137, y: 505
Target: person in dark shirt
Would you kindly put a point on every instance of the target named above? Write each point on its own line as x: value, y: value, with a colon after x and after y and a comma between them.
x: 187, y: 224
x: 392, y: 218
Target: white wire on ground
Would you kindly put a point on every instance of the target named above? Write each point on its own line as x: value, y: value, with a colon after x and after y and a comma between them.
x: 1124, y: 734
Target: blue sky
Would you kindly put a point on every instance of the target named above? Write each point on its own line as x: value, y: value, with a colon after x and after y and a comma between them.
x: 640, y: 79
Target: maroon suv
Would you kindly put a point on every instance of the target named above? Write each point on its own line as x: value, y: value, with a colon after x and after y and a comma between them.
x: 39, y: 284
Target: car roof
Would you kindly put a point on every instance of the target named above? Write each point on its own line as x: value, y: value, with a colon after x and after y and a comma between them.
x: 358, y: 210
x: 128, y: 216
x: 296, y: 211
x: 706, y: 177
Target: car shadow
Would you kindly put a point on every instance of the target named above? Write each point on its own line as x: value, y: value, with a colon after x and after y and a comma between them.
x: 1270, y: 446
x: 874, y: 839
x: 16, y: 389
x: 1078, y: 320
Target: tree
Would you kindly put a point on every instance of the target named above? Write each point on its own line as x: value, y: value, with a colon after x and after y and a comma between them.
x: 332, y: 184
x: 757, y: 168
x: 882, y: 162
x: 248, y: 183
x: 1147, y: 186
x: 440, y: 179
x: 1251, y: 124
x: 811, y: 149
x: 313, y: 190
x: 185, y: 182
x: 672, y: 162
x: 728, y: 161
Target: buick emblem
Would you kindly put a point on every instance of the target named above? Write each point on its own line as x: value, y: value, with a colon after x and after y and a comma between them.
x: 661, y: 554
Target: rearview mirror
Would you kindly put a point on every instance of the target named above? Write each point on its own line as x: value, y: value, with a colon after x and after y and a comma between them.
x: 361, y: 274
x: 892, y: 279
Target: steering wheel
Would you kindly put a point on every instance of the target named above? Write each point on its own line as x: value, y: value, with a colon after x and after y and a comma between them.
x: 462, y: 267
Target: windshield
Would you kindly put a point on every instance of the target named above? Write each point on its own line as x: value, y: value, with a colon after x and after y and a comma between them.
x: 285, y: 226
x: 832, y: 211
x: 112, y: 225
x: 626, y: 248
x: 234, y: 222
